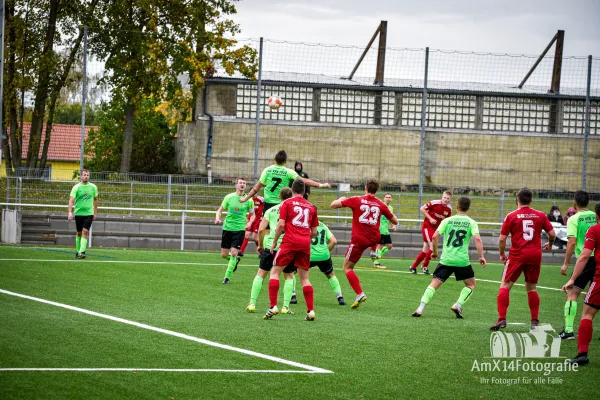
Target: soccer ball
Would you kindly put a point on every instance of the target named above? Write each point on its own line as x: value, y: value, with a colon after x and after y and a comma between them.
x: 274, y: 102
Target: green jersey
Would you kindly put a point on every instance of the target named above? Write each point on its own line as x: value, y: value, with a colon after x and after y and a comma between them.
x: 274, y: 178
x: 319, y: 251
x: 272, y: 215
x: 578, y: 225
x: 236, y: 212
x: 457, y: 231
x: 84, y: 195
x: 384, y: 224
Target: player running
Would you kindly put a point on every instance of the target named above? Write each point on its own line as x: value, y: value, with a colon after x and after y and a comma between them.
x: 577, y: 227
x: 252, y: 233
x: 366, y: 213
x: 434, y: 211
x: 457, y: 231
x: 592, y: 299
x: 298, y: 218
x: 234, y: 226
x: 320, y: 256
x: 385, y: 243
x: 84, y: 196
x: 524, y: 225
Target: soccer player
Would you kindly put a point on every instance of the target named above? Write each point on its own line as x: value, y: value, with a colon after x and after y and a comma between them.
x: 274, y: 178
x: 524, y: 225
x: 366, y: 213
x: 320, y: 256
x: 265, y: 244
x: 457, y: 231
x: 84, y: 196
x: 298, y: 218
x: 577, y: 227
x: 252, y: 233
x: 592, y: 299
x: 385, y: 244
x: 234, y: 226
x: 434, y: 211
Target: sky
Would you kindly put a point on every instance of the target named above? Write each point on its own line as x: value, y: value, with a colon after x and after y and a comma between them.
x: 499, y: 26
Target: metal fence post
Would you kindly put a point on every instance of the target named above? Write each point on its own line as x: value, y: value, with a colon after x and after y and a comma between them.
x: 182, y: 230
x: 169, y: 195
x: 398, y: 211
x: 423, y: 122
x: 258, y: 104
x: 83, y: 98
x: 131, y: 198
x: 586, y: 129
x: 8, y: 192
x: 501, y: 205
x: 186, y: 196
x: 337, y: 210
x: 19, y: 191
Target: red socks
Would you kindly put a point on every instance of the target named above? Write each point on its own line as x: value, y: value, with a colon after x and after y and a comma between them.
x: 309, y: 297
x: 533, y: 298
x: 354, y: 281
x: 584, y: 336
x: 504, y: 301
x: 273, y: 289
x: 420, y: 257
x: 427, y: 258
x: 244, y: 244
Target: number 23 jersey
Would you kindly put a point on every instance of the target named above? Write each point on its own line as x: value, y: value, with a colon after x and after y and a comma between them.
x: 366, y: 213
x: 457, y: 231
x: 524, y: 225
x: 299, y: 216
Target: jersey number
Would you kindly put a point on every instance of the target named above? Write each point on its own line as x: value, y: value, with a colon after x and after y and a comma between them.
x: 316, y: 240
x: 527, y: 229
x: 366, y: 217
x: 459, y: 238
x: 301, y: 218
x: 277, y: 183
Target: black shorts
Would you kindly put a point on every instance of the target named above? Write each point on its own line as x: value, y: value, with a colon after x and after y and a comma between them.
x: 83, y: 222
x: 232, y: 239
x: 443, y: 272
x: 326, y: 266
x: 587, y: 275
x: 266, y: 262
x: 267, y: 206
x: 385, y: 239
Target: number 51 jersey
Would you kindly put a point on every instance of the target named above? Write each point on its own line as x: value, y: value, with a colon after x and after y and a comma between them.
x: 457, y: 232
x: 299, y: 216
x: 524, y: 225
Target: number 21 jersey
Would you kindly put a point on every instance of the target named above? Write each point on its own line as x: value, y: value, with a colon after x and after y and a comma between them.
x: 299, y: 216
x: 524, y: 225
x: 366, y: 213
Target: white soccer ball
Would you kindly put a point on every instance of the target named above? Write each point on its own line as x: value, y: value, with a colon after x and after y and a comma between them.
x: 274, y: 102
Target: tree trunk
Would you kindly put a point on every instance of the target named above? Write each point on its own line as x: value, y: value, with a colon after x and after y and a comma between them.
x: 127, y: 137
x: 196, y: 91
x: 12, y: 151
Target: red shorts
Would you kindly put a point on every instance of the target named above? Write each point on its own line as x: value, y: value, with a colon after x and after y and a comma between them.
x: 530, y: 268
x: 288, y: 254
x: 255, y: 225
x: 592, y: 298
x: 356, y: 250
x: 427, y: 234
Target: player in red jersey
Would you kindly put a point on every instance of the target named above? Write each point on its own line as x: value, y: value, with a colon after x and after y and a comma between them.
x: 298, y: 219
x: 366, y: 212
x: 592, y: 299
x: 252, y: 233
x: 524, y: 225
x: 434, y: 211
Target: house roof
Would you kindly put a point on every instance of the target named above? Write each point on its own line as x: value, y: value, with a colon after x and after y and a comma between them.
x: 65, y: 142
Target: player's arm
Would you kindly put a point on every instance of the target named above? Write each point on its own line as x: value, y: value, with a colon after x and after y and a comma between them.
x: 338, y: 203
x: 479, y: 247
x: 218, y: 219
x: 279, y: 231
x: 435, y: 240
x: 313, y: 231
x: 331, y: 242
x: 571, y: 242
x: 252, y: 192
x: 71, y: 202
x: 502, y: 247
x: 251, y: 220
x: 426, y: 214
x: 262, y: 228
x: 311, y: 183
x: 551, y: 239
x: 579, y: 266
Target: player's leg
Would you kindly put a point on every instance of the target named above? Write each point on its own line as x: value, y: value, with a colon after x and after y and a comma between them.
x: 353, y: 254
x: 236, y: 242
x: 584, y: 335
x: 289, y: 274
x: 274, y: 289
x: 467, y: 275
x: 308, y: 292
x: 586, y: 276
x: 294, y: 299
x: 247, y: 236
x: 87, y: 225
x: 512, y: 271
x: 532, y: 274
x: 439, y: 277
x: 429, y: 253
x: 266, y: 263
x: 79, y: 228
x: 421, y: 256
x: 326, y: 268
x: 373, y: 253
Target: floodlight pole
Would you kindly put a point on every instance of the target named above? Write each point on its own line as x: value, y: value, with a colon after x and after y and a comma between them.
x: 83, y: 98
x: 258, y: 101
x: 423, y: 122
x: 1, y: 79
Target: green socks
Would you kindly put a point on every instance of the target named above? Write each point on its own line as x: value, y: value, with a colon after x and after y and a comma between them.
x: 230, y: 267
x: 429, y: 292
x: 77, y: 243
x: 288, y: 289
x: 570, y: 311
x: 464, y: 295
x: 294, y: 285
x: 256, y: 288
x: 83, y: 245
x: 381, y: 252
x: 335, y: 285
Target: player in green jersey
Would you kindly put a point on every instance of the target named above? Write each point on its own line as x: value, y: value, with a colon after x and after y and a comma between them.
x: 457, y: 231
x: 265, y: 243
x: 84, y: 196
x: 274, y: 178
x: 577, y: 227
x: 235, y: 226
x: 385, y: 243
x: 320, y: 256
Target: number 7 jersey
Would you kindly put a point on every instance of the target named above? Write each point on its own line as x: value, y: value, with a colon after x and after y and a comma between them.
x: 524, y: 225
x: 299, y: 216
x: 457, y: 232
x: 366, y: 214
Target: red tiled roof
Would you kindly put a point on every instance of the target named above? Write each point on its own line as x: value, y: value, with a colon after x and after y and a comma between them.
x: 64, y: 142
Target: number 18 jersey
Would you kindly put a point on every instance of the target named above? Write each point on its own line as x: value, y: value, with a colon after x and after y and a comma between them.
x: 366, y: 214
x: 457, y: 231
x: 299, y: 216
x: 524, y: 225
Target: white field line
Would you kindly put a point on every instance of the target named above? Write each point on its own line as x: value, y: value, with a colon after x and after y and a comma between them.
x: 172, y: 333
x: 252, y: 371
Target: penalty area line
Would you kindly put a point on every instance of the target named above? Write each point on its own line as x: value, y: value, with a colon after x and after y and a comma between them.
x: 173, y: 333
x: 236, y: 371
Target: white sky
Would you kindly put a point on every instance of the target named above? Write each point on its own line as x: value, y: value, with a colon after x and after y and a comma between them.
x: 498, y: 26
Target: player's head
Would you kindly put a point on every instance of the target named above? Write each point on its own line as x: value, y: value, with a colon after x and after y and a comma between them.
x: 524, y: 197
x: 464, y: 203
x: 240, y: 184
x: 298, y: 187
x: 387, y: 198
x: 372, y: 186
x: 446, y: 197
x: 281, y: 157
x: 582, y: 199
x: 85, y: 175
x: 285, y: 193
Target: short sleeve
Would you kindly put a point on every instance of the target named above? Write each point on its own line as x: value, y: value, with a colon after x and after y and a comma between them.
x: 74, y: 191
x: 225, y: 202
x: 349, y: 202
x: 427, y: 206
x: 263, y: 177
x: 328, y: 234
x: 291, y: 174
x: 283, y: 211
x: 591, y: 240
x: 505, y: 230
x: 315, y: 219
x: 95, y: 191
x: 442, y: 226
x: 474, y: 228
x: 572, y: 227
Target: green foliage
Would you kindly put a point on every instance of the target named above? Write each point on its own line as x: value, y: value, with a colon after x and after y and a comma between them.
x: 70, y: 114
x: 153, y: 151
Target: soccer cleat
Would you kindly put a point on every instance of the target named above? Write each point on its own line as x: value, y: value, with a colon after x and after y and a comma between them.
x: 425, y: 271
x: 581, y: 359
x: 566, y: 335
x: 240, y: 254
x: 287, y: 310
x: 294, y: 299
x: 500, y: 324
x: 413, y: 271
x: 310, y: 316
x: 226, y: 281
x: 237, y: 261
x: 80, y: 255
x: 457, y: 309
x: 376, y: 264
x: 373, y: 256
x: 76, y: 255
x: 361, y: 298
x: 534, y: 324
x: 341, y: 301
x: 251, y: 308
x: 271, y: 312
x: 417, y: 313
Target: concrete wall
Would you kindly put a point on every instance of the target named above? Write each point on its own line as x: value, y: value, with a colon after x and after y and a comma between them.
x: 191, y: 146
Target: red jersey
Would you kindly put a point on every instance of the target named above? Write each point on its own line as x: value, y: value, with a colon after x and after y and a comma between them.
x: 437, y: 211
x: 366, y: 213
x: 592, y: 241
x: 524, y: 225
x: 259, y: 204
x: 299, y: 216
